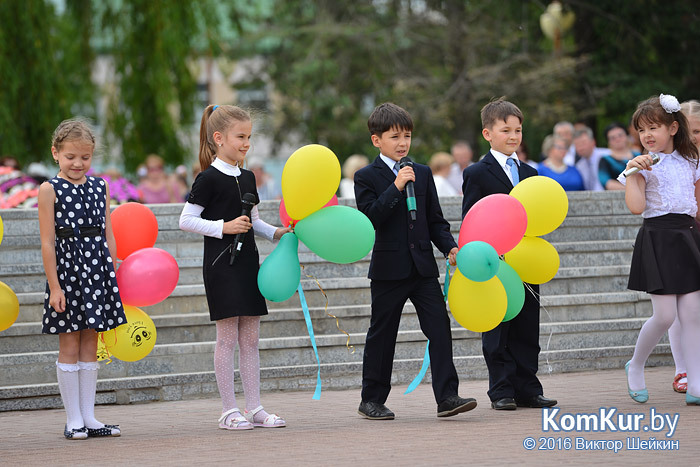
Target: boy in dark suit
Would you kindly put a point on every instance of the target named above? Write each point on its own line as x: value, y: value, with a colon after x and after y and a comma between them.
x: 511, y: 350
x: 403, y: 266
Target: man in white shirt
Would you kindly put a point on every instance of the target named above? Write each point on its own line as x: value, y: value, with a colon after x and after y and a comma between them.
x: 588, y: 156
x: 463, y: 156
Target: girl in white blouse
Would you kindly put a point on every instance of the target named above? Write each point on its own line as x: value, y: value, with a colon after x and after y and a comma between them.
x: 666, y: 257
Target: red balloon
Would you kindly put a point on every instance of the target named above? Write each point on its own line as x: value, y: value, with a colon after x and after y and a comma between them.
x: 286, y: 220
x: 147, y: 276
x: 135, y: 227
x: 499, y: 220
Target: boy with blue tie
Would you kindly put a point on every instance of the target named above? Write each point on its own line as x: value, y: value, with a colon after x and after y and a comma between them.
x: 511, y: 350
x: 403, y: 265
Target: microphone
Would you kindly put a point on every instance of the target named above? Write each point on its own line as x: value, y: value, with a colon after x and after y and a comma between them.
x: 633, y: 170
x: 410, y: 190
x: 247, y: 201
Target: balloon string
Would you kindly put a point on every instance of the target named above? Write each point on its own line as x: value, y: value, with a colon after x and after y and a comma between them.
x: 106, y: 354
x: 551, y: 321
x: 325, y: 309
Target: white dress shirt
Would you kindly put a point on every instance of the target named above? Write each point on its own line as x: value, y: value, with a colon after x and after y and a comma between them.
x: 502, y: 158
x: 191, y: 216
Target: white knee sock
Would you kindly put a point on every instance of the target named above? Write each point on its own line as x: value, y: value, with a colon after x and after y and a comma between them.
x: 689, y: 316
x: 69, y: 386
x: 675, y: 339
x: 88, y: 387
x: 650, y: 335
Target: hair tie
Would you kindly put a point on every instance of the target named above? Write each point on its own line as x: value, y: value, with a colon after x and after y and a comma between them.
x: 217, y: 106
x: 669, y: 103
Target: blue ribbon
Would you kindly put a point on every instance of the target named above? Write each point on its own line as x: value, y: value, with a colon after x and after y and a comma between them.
x: 309, y: 326
x: 426, y: 358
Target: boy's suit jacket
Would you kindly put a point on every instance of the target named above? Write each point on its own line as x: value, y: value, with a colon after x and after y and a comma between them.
x: 400, y: 241
x: 487, y: 177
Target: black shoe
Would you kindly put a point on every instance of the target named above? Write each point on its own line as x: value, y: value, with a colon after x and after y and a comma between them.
x: 375, y: 411
x: 536, y: 402
x: 505, y: 403
x: 454, y: 405
x: 108, y: 430
x: 75, y: 433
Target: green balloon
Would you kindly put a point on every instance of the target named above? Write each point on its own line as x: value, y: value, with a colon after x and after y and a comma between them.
x: 279, y: 274
x: 477, y: 261
x: 339, y: 234
x: 515, y: 290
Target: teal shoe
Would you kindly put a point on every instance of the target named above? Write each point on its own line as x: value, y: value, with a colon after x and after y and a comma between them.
x: 642, y: 395
x: 691, y: 400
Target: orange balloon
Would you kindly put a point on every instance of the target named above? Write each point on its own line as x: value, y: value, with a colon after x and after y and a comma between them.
x: 135, y: 227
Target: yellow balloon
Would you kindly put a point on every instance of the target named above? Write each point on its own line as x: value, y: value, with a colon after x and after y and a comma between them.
x: 477, y: 306
x: 309, y: 180
x: 545, y: 202
x: 9, y: 306
x: 134, y: 339
x: 534, y: 259
x: 1, y: 230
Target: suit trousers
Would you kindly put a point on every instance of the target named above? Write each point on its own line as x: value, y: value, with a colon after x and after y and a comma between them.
x: 388, y: 299
x: 511, y: 351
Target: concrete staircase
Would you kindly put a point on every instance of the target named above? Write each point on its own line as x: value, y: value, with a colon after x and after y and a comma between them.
x: 589, y: 319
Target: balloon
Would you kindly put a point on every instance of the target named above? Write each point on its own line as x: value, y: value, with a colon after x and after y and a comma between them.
x: 498, y: 220
x: 515, y: 290
x: 478, y: 261
x: 134, y: 339
x: 477, y: 306
x: 135, y: 227
x: 147, y: 277
x: 310, y: 178
x: 534, y: 259
x: 1, y: 230
x: 286, y: 220
x: 279, y: 274
x: 9, y: 307
x: 545, y: 202
x: 339, y: 234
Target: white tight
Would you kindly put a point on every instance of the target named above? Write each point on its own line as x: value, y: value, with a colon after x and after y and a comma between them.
x: 674, y: 339
x: 244, y: 330
x: 666, y: 308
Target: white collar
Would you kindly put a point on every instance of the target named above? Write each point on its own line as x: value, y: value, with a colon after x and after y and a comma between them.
x: 502, y: 158
x: 388, y: 161
x: 226, y: 168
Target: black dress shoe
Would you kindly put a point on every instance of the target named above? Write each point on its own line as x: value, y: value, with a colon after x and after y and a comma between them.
x: 536, y: 402
x: 375, y: 411
x: 505, y: 403
x: 454, y: 405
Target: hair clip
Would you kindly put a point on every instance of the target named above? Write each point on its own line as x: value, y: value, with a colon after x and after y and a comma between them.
x: 217, y: 106
x: 669, y: 103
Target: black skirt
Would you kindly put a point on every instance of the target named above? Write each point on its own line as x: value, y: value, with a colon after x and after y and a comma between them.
x: 666, y: 257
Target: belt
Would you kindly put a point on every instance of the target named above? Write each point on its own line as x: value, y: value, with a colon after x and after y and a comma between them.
x: 88, y: 231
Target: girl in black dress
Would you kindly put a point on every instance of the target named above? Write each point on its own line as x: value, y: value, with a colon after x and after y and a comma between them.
x: 214, y: 209
x: 77, y: 247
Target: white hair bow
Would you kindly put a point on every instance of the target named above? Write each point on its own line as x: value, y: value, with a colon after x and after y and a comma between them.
x: 669, y: 103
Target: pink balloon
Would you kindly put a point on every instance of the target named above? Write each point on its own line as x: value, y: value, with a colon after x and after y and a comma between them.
x: 147, y: 276
x: 499, y: 220
x: 286, y: 220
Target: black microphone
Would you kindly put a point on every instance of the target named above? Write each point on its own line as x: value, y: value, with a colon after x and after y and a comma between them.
x: 248, y: 202
x: 410, y: 190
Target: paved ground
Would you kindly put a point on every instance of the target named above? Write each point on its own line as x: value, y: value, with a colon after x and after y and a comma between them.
x: 329, y: 431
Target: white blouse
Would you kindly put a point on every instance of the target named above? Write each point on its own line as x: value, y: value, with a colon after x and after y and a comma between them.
x: 670, y: 186
x: 191, y: 216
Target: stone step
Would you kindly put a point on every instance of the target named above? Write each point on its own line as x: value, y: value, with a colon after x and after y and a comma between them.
x: 190, y: 385
x: 34, y: 367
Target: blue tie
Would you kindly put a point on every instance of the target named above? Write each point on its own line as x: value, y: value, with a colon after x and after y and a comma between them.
x: 396, y: 168
x: 513, y: 171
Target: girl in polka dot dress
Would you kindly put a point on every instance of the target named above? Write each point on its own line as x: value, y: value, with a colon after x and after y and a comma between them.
x: 82, y: 299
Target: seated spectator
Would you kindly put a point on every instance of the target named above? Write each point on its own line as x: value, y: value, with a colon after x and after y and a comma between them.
x: 615, y: 162
x: 588, y: 158
x: 523, y: 154
x: 565, y: 131
x: 440, y: 164
x: 155, y: 186
x: 266, y: 186
x: 554, y: 167
x: 463, y: 158
x: 351, y: 165
x: 10, y: 161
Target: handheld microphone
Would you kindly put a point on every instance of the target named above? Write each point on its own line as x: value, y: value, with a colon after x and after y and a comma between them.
x: 247, y: 201
x: 410, y: 190
x: 631, y: 171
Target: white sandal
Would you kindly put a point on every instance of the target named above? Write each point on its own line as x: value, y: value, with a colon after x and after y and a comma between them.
x: 271, y: 421
x: 234, y: 423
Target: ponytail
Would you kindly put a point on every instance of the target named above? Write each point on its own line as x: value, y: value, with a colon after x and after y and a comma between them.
x: 207, y: 152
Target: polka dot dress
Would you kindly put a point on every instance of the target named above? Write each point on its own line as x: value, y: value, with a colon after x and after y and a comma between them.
x: 84, y: 265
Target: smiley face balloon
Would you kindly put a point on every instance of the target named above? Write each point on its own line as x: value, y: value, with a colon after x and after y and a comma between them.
x: 133, y: 340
